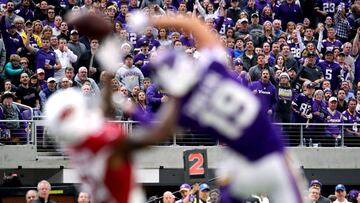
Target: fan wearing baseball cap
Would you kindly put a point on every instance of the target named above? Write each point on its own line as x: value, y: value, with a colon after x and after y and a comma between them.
x: 317, y: 184
x: 48, y: 91
x: 330, y: 69
x: 311, y: 71
x: 334, y: 117
x: 204, y: 193
x: 239, y: 72
x: 13, y: 132
x: 340, y: 193
x: 186, y: 194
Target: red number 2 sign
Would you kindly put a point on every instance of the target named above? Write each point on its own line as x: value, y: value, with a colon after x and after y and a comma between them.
x: 196, y: 164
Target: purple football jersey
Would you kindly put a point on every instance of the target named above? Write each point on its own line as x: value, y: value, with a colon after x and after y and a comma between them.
x: 319, y: 106
x: 350, y: 118
x: 295, y: 50
x: 331, y: 71
x: 142, y: 57
x: 227, y: 23
x: 219, y: 105
x: 302, y: 104
x: 334, y: 119
x: 133, y: 38
x: 328, y: 6
x: 152, y: 42
x: 327, y: 45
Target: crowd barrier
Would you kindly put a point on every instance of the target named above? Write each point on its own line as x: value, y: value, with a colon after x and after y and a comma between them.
x: 293, y: 134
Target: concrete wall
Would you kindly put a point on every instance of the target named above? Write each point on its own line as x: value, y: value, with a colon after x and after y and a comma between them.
x: 25, y: 156
x: 164, y: 164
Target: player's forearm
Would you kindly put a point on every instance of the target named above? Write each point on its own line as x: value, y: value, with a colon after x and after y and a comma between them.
x: 158, y: 131
x: 107, y: 97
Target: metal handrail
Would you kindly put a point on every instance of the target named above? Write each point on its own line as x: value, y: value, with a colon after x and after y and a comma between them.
x: 26, y: 120
x: 317, y: 124
x: 296, y: 134
x: 26, y: 107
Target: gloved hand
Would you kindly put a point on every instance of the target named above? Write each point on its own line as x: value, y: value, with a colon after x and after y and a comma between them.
x: 176, y: 72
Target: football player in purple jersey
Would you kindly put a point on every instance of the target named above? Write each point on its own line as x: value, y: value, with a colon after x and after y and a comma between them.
x: 214, y: 102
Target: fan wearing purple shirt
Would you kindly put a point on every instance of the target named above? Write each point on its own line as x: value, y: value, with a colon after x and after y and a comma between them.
x: 45, y: 58
x: 289, y: 11
x: 122, y: 14
x: 331, y: 70
x: 142, y: 58
x: 326, y: 8
x: 303, y: 112
x: 302, y: 105
x: 334, y: 117
x: 213, y: 102
x: 265, y: 91
x: 149, y: 37
x: 330, y: 42
x: 12, y: 40
x: 227, y: 23
x: 350, y: 116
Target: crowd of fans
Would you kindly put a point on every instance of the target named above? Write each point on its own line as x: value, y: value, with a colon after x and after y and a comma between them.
x: 200, y: 193
x: 42, y: 194
x: 204, y: 194
x: 301, y: 58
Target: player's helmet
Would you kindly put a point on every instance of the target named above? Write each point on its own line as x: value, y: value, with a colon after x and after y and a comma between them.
x: 68, y: 117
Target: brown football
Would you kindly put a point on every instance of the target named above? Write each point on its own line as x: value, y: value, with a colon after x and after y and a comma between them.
x: 91, y: 25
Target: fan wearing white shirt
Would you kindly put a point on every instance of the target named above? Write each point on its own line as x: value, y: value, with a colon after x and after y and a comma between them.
x: 66, y: 57
x: 340, y: 193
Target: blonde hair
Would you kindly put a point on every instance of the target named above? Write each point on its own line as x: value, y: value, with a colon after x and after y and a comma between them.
x: 14, y: 57
x: 319, y: 92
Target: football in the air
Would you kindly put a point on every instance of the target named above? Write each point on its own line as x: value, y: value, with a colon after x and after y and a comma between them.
x: 91, y: 25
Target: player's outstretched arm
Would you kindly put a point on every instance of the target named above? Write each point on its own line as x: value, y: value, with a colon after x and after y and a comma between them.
x: 107, y: 102
x: 159, y: 131
x: 193, y: 25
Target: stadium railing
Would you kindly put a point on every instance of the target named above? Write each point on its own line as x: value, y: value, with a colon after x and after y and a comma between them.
x: 294, y: 135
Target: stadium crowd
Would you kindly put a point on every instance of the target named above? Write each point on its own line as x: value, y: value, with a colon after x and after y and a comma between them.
x: 208, y: 195
x: 299, y: 57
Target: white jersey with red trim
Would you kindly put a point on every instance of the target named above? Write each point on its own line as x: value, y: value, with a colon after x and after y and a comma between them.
x: 106, y: 182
